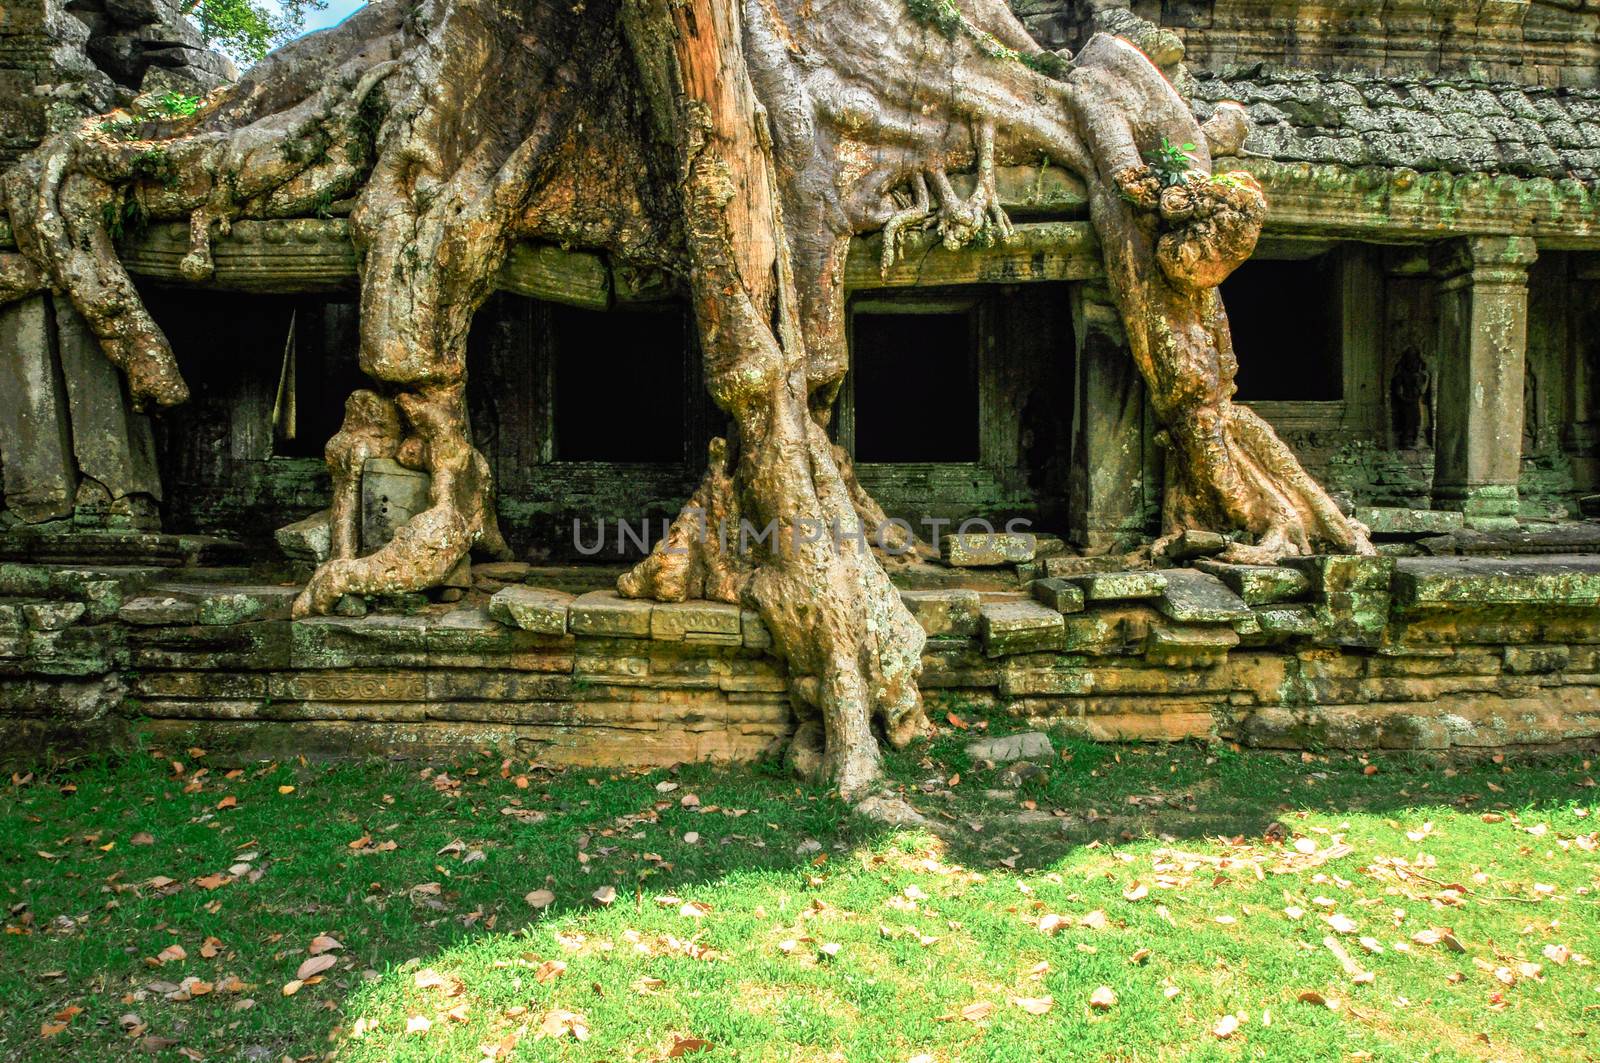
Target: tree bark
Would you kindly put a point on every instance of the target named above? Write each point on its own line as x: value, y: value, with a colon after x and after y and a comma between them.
x: 739, y: 144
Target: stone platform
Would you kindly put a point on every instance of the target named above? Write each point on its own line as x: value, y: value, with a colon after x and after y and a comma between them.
x: 1427, y: 653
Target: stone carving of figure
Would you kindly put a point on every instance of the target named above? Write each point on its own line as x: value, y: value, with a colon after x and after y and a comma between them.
x: 1409, y: 391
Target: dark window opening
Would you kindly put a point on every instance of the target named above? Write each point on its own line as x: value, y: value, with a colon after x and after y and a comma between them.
x: 269, y: 374
x: 315, y: 376
x: 1284, y: 316
x: 915, y: 380
x: 620, y: 384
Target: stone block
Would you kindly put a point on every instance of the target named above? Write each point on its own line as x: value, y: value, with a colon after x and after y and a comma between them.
x: 114, y: 445
x: 36, y: 462
x: 1121, y: 586
x: 308, y: 539
x: 1537, y: 660
x: 940, y: 613
x: 1194, y: 597
x: 1260, y: 584
x: 1018, y: 626
x: 988, y: 549
x: 52, y: 616
x: 391, y: 494
x: 753, y: 630
x: 1286, y: 621
x: 1070, y: 567
x: 157, y: 610
x: 1189, y: 647
x: 531, y: 609
x: 1394, y: 522
x: 1017, y: 682
x: 1435, y: 582
x: 1058, y: 594
x: 1190, y: 544
x: 1003, y: 749
x: 245, y: 604
x: 1335, y: 573
x: 609, y: 614
x: 696, y: 621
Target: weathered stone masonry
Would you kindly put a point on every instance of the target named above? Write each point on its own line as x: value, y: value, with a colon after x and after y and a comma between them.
x: 1342, y: 652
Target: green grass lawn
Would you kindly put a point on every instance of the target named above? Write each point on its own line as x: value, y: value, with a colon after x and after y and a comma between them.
x: 1134, y: 903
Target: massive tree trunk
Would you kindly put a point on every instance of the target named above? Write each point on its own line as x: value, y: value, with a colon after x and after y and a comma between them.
x: 739, y: 144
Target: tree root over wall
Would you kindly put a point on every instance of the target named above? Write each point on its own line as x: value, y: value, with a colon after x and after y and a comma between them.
x: 738, y: 145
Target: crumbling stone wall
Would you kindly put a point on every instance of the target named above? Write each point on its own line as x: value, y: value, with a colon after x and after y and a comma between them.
x: 63, y: 59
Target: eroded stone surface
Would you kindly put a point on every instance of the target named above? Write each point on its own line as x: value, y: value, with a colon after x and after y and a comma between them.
x: 1003, y: 749
x: 944, y: 612
x: 988, y: 549
x: 1019, y: 626
x: 532, y: 609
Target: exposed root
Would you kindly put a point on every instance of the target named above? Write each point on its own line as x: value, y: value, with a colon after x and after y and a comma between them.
x: 702, y: 553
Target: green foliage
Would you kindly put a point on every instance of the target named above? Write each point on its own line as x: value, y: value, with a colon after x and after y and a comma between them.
x: 249, y: 29
x: 1171, y: 163
x: 177, y: 104
x: 123, y: 214
x: 942, y: 15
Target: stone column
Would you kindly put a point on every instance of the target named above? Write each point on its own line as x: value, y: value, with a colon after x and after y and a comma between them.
x: 1483, y: 331
x: 1112, y: 454
x: 114, y: 446
x: 40, y: 475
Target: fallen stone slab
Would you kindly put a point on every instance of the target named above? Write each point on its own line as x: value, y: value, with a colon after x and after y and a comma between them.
x: 1259, y: 584
x: 952, y: 613
x: 244, y: 604
x: 531, y: 609
x: 988, y: 549
x: 307, y: 539
x: 1121, y: 586
x: 1020, y: 626
x: 1003, y: 749
x: 1194, y: 597
x: 1191, y: 544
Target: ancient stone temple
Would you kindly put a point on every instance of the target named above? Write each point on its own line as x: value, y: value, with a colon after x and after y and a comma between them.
x: 1419, y: 321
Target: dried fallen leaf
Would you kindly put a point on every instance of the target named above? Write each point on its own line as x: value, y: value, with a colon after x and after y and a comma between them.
x: 292, y: 987
x: 323, y: 943
x: 315, y: 965
x: 1035, y: 1005
x: 559, y: 1022
x: 1103, y: 999
x: 978, y: 1011
x: 142, y: 838
x: 1341, y: 922
x: 683, y: 1046
x: 172, y: 954
x: 1095, y: 920
x: 418, y: 1024
x: 549, y: 969
x: 1226, y: 1027
x: 604, y: 896
x: 540, y: 899
x: 1311, y: 996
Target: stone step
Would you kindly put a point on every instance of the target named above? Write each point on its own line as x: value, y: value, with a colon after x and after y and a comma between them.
x: 1259, y: 584
x: 1555, y: 580
x: 1019, y: 625
x: 1195, y: 597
